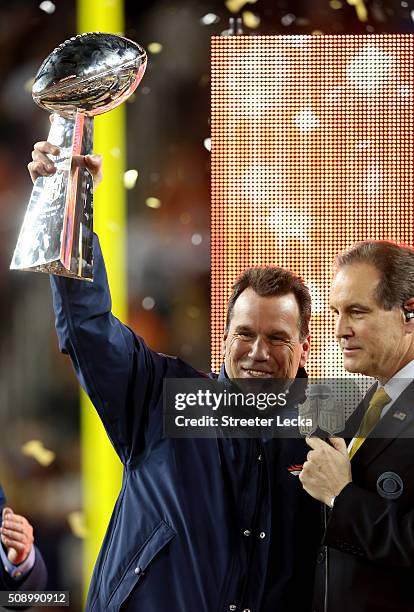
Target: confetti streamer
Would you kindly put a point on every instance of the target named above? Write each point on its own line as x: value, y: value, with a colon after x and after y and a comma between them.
x: 35, y: 449
x: 361, y: 9
x: 77, y: 524
x: 234, y: 6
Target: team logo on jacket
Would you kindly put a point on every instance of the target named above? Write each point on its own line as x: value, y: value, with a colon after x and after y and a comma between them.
x: 295, y: 470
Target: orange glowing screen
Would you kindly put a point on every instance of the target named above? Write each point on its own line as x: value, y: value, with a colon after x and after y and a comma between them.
x: 312, y: 150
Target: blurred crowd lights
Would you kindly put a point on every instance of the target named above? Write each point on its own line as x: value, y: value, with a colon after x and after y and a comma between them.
x: 312, y: 150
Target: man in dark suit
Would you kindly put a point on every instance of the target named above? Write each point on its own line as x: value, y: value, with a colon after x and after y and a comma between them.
x: 21, y: 564
x: 206, y: 525
x: 367, y: 562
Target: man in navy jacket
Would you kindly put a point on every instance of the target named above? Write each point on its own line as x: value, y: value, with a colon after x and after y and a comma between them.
x: 21, y: 565
x: 206, y: 525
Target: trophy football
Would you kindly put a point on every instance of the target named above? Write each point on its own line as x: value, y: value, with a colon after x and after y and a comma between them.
x: 87, y: 75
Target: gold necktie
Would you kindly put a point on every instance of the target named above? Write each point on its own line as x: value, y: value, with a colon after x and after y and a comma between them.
x: 371, y: 418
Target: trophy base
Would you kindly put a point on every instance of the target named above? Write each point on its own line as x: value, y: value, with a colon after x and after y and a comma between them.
x: 57, y: 268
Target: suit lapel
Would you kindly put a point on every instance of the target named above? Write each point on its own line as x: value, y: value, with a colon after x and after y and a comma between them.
x: 398, y: 418
x: 354, y: 421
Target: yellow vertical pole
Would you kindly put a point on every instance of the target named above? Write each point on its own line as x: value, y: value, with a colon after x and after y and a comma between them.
x: 101, y: 468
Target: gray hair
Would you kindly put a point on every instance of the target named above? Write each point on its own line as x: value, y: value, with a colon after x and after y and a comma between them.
x: 395, y: 264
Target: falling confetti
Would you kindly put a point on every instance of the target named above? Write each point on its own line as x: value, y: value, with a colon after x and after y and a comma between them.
x: 288, y: 19
x: 148, y: 303
x: 35, y: 449
x: 77, y: 524
x: 154, y: 48
x: 47, y: 7
x: 196, y: 239
x: 250, y: 20
x: 361, y: 9
x: 130, y: 179
x: 209, y: 19
x: 207, y: 143
x: 153, y: 202
x: 234, y: 6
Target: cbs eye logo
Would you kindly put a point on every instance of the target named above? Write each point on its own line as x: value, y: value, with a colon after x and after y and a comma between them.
x: 390, y: 485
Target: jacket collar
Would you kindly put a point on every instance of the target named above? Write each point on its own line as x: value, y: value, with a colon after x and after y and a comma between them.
x: 398, y: 419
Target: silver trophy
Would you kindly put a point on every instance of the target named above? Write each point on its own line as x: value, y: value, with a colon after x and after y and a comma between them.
x: 85, y: 76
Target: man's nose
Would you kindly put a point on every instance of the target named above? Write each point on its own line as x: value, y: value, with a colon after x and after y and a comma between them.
x: 342, y: 326
x: 259, y: 350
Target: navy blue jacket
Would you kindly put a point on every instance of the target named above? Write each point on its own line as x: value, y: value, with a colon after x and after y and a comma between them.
x: 35, y: 580
x: 200, y: 525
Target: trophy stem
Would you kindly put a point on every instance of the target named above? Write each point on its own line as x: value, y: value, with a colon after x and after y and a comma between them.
x: 56, y: 235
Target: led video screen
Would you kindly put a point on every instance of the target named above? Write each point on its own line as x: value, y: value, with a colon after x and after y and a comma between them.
x: 312, y: 150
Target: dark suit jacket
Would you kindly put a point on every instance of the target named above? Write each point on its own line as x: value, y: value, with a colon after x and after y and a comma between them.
x: 35, y: 580
x: 200, y: 525
x: 367, y: 562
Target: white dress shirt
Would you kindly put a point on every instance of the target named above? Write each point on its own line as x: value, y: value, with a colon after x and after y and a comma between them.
x: 18, y: 571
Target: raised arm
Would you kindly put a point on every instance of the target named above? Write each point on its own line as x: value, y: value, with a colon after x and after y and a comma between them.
x: 121, y: 375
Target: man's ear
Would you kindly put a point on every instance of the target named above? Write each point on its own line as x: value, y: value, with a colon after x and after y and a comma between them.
x: 409, y: 313
x: 305, y: 352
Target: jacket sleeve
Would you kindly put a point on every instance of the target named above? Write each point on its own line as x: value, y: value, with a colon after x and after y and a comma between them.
x: 34, y: 580
x: 365, y: 525
x: 121, y: 375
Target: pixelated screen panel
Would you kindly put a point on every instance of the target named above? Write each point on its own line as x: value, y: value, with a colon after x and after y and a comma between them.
x: 312, y: 150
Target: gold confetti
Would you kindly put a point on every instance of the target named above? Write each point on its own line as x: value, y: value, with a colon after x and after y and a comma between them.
x: 335, y: 4
x: 35, y: 449
x: 317, y: 33
x: 154, y: 48
x: 77, y: 524
x: 153, y: 202
x: 250, y: 20
x: 130, y: 178
x: 234, y: 6
x: 361, y: 9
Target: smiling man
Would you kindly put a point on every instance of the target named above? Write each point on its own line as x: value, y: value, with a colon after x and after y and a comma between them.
x: 267, y: 334
x: 200, y: 524
x: 368, y: 559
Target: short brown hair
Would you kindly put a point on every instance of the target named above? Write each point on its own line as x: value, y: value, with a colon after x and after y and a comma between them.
x: 394, y: 262
x: 269, y: 281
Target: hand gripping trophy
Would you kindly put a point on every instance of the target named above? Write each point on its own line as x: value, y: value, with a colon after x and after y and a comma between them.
x: 85, y: 76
